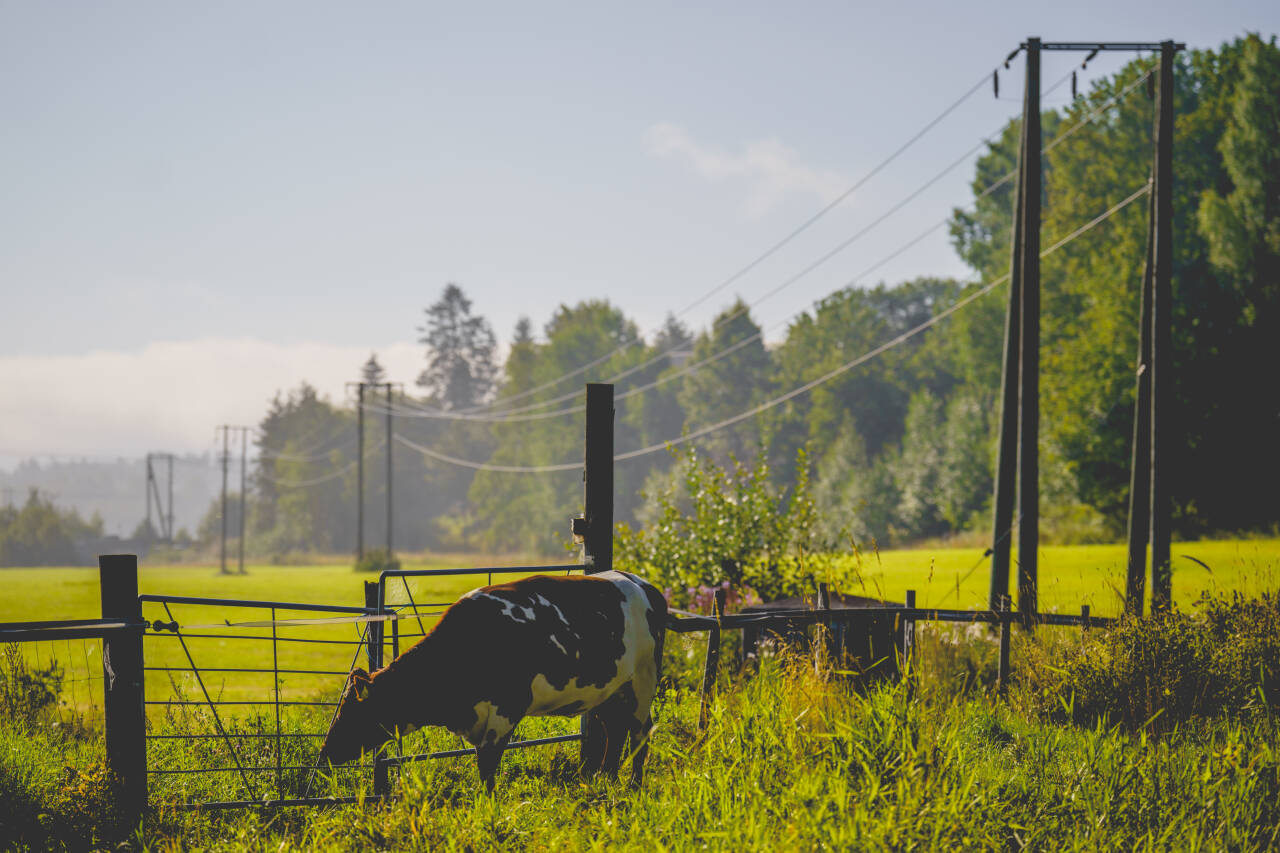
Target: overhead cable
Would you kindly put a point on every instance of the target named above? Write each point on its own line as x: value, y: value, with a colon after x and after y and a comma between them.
x: 769, y: 252
x: 801, y: 389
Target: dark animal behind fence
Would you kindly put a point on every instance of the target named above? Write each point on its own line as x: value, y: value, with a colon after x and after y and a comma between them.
x: 542, y: 645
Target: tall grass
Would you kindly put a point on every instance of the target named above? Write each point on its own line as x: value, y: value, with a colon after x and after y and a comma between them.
x: 792, y: 758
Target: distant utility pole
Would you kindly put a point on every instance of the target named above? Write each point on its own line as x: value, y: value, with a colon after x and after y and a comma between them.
x: 153, y: 492
x: 226, y: 429
x: 222, y: 549
x: 360, y: 387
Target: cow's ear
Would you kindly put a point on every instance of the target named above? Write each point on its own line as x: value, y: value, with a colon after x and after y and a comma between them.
x: 357, y: 685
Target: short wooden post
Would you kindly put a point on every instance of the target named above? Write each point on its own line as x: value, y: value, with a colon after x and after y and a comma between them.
x: 123, y: 695
x: 713, y: 660
x: 1084, y: 618
x: 909, y: 638
x: 597, y: 479
x: 381, y: 778
x: 1006, y: 628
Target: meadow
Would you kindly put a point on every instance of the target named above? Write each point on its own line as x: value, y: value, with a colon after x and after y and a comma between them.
x: 791, y: 758
x: 1070, y: 576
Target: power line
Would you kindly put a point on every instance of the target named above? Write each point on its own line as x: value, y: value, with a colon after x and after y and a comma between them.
x: 801, y: 389
x: 527, y: 413
x: 769, y: 252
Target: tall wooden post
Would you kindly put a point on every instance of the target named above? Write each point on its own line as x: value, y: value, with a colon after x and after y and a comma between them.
x: 123, y: 706
x: 1162, y: 428
x: 597, y: 479
x: 1140, y: 466
x: 1029, y: 369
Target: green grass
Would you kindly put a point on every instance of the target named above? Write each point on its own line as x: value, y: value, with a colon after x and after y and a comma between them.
x: 1069, y: 576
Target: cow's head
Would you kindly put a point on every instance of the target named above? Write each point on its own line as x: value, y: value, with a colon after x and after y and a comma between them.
x: 357, y: 726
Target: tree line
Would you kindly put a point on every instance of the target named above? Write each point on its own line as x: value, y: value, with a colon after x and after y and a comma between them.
x: 900, y: 448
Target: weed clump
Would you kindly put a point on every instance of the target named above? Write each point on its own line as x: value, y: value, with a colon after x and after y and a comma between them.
x: 1155, y: 672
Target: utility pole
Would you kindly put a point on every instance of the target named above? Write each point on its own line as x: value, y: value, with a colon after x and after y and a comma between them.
x: 222, y: 548
x: 244, y: 529
x: 151, y: 481
x: 169, y: 532
x: 1029, y: 350
x: 360, y: 474
x: 389, y: 492
x: 1150, y: 504
x: 1162, y: 341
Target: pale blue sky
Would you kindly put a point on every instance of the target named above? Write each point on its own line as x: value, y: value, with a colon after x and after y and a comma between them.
x: 305, y: 177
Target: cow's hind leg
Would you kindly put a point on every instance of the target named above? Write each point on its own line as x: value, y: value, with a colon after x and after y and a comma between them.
x: 640, y: 748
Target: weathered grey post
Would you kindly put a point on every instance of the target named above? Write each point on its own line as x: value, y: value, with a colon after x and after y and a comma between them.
x: 381, y: 779
x: 1029, y: 369
x: 909, y: 638
x: 712, y: 664
x: 597, y: 479
x: 123, y: 699
x: 1162, y: 404
x: 1002, y: 673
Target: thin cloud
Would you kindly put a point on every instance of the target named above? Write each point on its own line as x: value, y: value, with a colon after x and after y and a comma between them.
x: 771, y: 170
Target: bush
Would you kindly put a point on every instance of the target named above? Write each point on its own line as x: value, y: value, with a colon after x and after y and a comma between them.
x: 1164, y: 669
x: 728, y: 524
x: 377, y: 560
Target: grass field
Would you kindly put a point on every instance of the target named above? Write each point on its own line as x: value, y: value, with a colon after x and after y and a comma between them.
x: 1069, y: 576
x: 789, y: 761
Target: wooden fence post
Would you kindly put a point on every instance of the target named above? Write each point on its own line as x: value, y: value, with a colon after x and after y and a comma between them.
x: 1002, y: 674
x: 597, y: 479
x: 123, y: 698
x: 909, y: 639
x: 381, y: 779
x: 1084, y: 618
x: 713, y: 660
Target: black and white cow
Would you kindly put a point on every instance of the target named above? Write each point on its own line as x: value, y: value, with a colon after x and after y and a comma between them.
x: 542, y: 645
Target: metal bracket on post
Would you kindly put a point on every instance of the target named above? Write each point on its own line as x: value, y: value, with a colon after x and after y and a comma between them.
x: 123, y: 694
x: 596, y: 524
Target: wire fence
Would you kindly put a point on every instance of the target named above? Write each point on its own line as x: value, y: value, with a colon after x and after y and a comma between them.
x: 229, y: 727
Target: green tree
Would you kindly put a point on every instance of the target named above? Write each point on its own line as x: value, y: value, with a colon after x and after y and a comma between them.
x: 460, y: 371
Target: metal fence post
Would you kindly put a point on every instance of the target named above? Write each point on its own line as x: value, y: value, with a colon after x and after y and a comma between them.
x: 123, y: 699
x: 373, y: 601
x: 597, y: 478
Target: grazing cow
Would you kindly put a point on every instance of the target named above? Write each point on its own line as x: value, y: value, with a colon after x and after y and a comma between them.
x: 542, y: 645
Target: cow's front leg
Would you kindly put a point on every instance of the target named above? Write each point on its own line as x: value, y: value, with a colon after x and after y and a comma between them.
x: 488, y: 757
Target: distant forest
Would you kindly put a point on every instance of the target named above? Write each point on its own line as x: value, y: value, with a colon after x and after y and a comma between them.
x: 900, y: 448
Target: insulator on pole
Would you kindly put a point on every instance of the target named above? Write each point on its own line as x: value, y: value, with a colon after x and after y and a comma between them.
x: 1073, y: 85
x: 1011, y: 55
x: 995, y: 82
x: 1090, y: 57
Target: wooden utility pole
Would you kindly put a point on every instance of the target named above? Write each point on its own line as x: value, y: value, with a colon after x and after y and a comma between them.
x: 1162, y: 340
x: 1029, y: 340
x: 390, y: 516
x: 244, y: 528
x: 222, y: 549
x: 360, y: 473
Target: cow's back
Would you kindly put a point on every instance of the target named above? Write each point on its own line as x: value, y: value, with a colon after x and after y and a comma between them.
x: 555, y: 645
